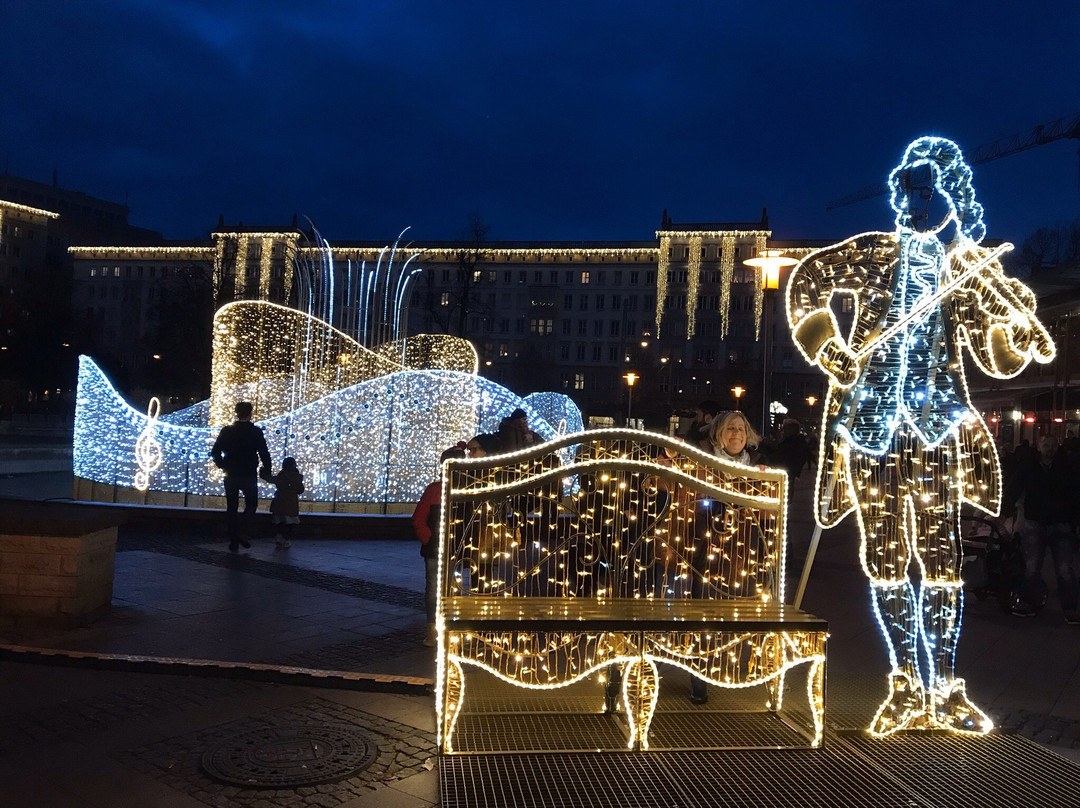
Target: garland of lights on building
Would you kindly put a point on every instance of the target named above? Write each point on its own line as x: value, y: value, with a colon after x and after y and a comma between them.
x: 759, y: 290
x: 663, y: 261
x: 693, y: 280
x: 632, y: 530
x: 727, y: 277
x: 901, y: 445
x: 727, y: 274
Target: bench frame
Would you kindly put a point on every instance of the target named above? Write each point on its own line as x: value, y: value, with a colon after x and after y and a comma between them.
x: 534, y: 639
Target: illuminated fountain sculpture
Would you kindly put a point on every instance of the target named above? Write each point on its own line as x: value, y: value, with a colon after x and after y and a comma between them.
x: 366, y: 425
x: 902, y: 446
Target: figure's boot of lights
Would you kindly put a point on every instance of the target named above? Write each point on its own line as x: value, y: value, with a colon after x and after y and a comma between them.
x: 949, y: 707
x: 905, y: 706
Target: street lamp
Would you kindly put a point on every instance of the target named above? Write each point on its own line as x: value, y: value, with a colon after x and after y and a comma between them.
x: 770, y: 262
x: 737, y: 391
x: 630, y: 377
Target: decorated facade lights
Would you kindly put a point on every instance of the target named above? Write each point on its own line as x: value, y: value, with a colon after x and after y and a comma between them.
x: 901, y: 444
x: 727, y: 239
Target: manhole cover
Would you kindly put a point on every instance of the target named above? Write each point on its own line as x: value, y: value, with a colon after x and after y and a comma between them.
x: 282, y: 757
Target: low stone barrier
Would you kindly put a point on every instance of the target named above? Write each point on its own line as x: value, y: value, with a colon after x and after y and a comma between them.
x: 56, y: 563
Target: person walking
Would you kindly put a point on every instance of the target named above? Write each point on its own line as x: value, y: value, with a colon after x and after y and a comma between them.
x: 238, y: 450
x: 285, y: 506
x: 1047, y: 483
x: 425, y: 521
x: 792, y: 453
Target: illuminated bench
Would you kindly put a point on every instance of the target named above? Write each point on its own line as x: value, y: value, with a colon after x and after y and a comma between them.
x: 582, y: 581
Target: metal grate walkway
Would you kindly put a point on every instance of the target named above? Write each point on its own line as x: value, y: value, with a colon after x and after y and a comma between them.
x: 913, y: 771
x: 852, y: 770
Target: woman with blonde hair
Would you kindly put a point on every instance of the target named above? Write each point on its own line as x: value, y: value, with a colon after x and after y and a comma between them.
x: 732, y: 438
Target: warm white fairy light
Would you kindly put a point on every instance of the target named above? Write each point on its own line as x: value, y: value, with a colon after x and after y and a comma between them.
x: 14, y: 206
x: 901, y: 444
x: 695, y: 239
x: 663, y: 263
x: 635, y: 532
x: 727, y: 277
x: 693, y: 280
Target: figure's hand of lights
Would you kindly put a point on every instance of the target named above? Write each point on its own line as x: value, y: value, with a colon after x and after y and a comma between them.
x: 839, y: 361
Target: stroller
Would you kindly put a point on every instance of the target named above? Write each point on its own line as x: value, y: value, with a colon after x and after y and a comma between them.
x: 993, y: 565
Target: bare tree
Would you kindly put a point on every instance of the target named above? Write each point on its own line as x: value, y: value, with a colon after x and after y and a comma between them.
x: 450, y: 307
x: 1049, y: 249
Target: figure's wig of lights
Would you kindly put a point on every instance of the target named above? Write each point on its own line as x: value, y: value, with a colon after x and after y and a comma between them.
x: 634, y: 531
x: 901, y: 445
x: 371, y: 442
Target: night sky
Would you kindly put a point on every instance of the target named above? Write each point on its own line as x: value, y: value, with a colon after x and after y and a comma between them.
x: 551, y: 120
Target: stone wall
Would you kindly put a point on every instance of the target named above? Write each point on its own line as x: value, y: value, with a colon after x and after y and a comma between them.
x: 55, y: 568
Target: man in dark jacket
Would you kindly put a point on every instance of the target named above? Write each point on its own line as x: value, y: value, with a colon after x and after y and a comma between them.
x: 237, y: 451
x: 1048, y: 482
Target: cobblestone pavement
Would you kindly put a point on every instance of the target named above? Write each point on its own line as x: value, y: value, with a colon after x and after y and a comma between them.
x: 403, y: 752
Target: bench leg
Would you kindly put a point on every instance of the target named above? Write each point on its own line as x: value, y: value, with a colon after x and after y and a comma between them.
x: 455, y: 692
x: 640, y: 691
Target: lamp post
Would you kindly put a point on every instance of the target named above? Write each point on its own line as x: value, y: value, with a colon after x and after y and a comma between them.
x: 737, y: 391
x: 769, y: 262
x: 630, y: 377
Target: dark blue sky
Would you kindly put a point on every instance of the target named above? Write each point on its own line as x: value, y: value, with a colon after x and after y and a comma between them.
x: 553, y: 120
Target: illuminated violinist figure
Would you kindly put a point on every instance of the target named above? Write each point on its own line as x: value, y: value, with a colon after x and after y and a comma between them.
x: 901, y: 444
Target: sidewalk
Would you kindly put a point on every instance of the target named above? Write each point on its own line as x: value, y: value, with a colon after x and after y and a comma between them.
x: 105, y: 730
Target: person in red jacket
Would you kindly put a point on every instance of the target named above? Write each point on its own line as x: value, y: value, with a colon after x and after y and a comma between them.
x: 425, y: 520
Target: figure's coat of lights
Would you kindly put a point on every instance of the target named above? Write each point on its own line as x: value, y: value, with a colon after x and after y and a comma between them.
x: 634, y: 532
x: 901, y: 444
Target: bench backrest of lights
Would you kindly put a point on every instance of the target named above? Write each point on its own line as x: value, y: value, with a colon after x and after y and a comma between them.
x: 608, y: 514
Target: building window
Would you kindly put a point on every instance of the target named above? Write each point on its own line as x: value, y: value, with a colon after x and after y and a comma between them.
x: 584, y: 277
x: 582, y: 327
x: 618, y: 278
x: 598, y: 328
x: 569, y: 277
x: 599, y: 302
x: 538, y: 277
x: 568, y: 302
x: 597, y: 352
x: 584, y: 303
x: 564, y: 352
x: 616, y: 302
x: 554, y: 278
x: 444, y: 299
x: 566, y: 327
x: 504, y: 325
x: 579, y: 381
x: 614, y: 328
x: 542, y: 327
x: 634, y: 277
x: 613, y: 353
x: 446, y: 276
x: 581, y: 353
x: 504, y: 349
x: 601, y: 277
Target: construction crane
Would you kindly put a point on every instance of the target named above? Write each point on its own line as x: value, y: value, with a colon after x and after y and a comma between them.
x: 1062, y: 128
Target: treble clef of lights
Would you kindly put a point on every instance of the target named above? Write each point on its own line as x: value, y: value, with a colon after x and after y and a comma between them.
x: 148, y: 452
